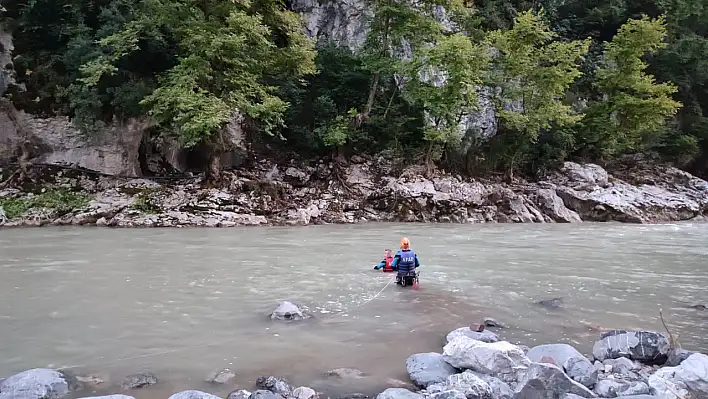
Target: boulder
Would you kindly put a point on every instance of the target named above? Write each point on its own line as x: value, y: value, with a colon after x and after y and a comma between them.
x: 398, y: 393
x: 553, y: 303
x: 303, y: 393
x: 484, y: 336
x: 474, y: 385
x: 426, y: 369
x: 693, y: 373
x: 552, y: 205
x: 664, y: 385
x: 141, y: 380
x: 287, y: 311
x: 274, y: 384
x: 676, y: 356
x: 622, y: 366
x: 645, y: 346
x: 192, y: 394
x: 547, y: 381
x: 35, y: 384
x: 264, y: 394
x: 221, y: 377
x: 497, y: 358
x: 494, y: 323
x: 239, y: 394
x: 449, y: 394
x: 577, y: 366
x: 611, y: 388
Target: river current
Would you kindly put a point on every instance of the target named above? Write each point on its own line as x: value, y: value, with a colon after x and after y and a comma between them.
x: 182, y: 303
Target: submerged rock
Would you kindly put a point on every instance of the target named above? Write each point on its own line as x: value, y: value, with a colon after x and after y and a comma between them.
x: 192, y: 394
x: 35, y: 384
x: 345, y: 372
x: 221, y: 377
x: 490, y: 322
x: 497, y: 358
x: 645, y: 346
x: 138, y: 381
x: 553, y: 303
x: 426, y: 369
x: 274, y: 384
x: 398, y: 393
x: 287, y: 311
x: 484, y: 336
x: 577, y: 366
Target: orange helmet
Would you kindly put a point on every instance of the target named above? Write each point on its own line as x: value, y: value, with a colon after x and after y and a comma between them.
x: 405, y: 243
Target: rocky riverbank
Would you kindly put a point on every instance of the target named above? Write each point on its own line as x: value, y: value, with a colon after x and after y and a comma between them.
x: 474, y: 364
x: 363, y: 190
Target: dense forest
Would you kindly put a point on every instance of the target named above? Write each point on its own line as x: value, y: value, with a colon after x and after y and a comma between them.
x: 587, y: 80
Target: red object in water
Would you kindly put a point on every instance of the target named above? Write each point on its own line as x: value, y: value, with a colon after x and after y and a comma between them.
x: 416, y: 285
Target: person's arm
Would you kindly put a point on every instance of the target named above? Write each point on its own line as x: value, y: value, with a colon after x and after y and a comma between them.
x: 394, y: 263
x: 417, y: 262
x: 380, y: 265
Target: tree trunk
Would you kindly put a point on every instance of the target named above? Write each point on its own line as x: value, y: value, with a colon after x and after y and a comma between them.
x: 377, y: 76
x: 213, y: 171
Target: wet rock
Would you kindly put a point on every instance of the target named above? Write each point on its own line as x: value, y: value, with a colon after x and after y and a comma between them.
x: 490, y: 322
x: 239, y: 394
x: 553, y: 303
x: 645, y: 346
x: 484, y: 336
x: 345, y: 372
x: 500, y: 389
x: 221, y: 377
x: 89, y: 379
x: 192, y: 394
x: 676, y: 356
x: 468, y: 383
x: 577, y: 366
x: 449, y: 394
x: 497, y: 358
x: 264, y: 394
x: 546, y: 381
x: 287, y: 311
x: 398, y: 393
x: 274, y: 384
x: 304, y: 393
x: 35, y: 384
x: 699, y: 307
x: 109, y: 397
x: 426, y: 369
x: 138, y: 381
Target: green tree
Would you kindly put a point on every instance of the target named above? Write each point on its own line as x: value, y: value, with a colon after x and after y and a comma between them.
x: 532, y: 72
x: 443, y: 79
x: 228, y: 58
x: 632, y: 103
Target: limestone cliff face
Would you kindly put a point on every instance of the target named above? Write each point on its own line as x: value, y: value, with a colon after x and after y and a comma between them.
x: 7, y: 73
x: 346, y: 23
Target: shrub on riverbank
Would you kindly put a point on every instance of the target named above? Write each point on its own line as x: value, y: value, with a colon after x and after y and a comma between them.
x: 58, y: 201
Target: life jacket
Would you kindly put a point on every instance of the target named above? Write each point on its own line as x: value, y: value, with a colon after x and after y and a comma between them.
x: 407, y: 262
x: 388, y: 268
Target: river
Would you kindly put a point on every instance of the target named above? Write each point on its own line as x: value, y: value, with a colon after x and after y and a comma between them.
x: 185, y: 302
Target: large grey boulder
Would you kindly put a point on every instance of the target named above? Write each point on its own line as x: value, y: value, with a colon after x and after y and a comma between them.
x: 426, y: 369
x: 398, y: 393
x: 548, y: 381
x: 664, y: 384
x: 470, y: 384
x: 645, y: 346
x: 303, y: 393
x: 693, y: 372
x: 577, y: 366
x: 497, y: 358
x: 35, y: 384
x: 192, y: 394
x: 287, y: 311
x: 484, y: 336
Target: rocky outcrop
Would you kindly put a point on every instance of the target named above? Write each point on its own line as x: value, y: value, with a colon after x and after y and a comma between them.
x: 7, y: 72
x: 268, y: 194
x: 426, y: 369
x: 35, y: 384
x: 644, y: 346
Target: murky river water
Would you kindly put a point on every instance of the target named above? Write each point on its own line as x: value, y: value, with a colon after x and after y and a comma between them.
x: 184, y: 302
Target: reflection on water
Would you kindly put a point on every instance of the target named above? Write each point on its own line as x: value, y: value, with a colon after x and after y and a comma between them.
x: 185, y: 302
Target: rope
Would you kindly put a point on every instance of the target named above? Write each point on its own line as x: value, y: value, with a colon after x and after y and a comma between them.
x: 186, y: 348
